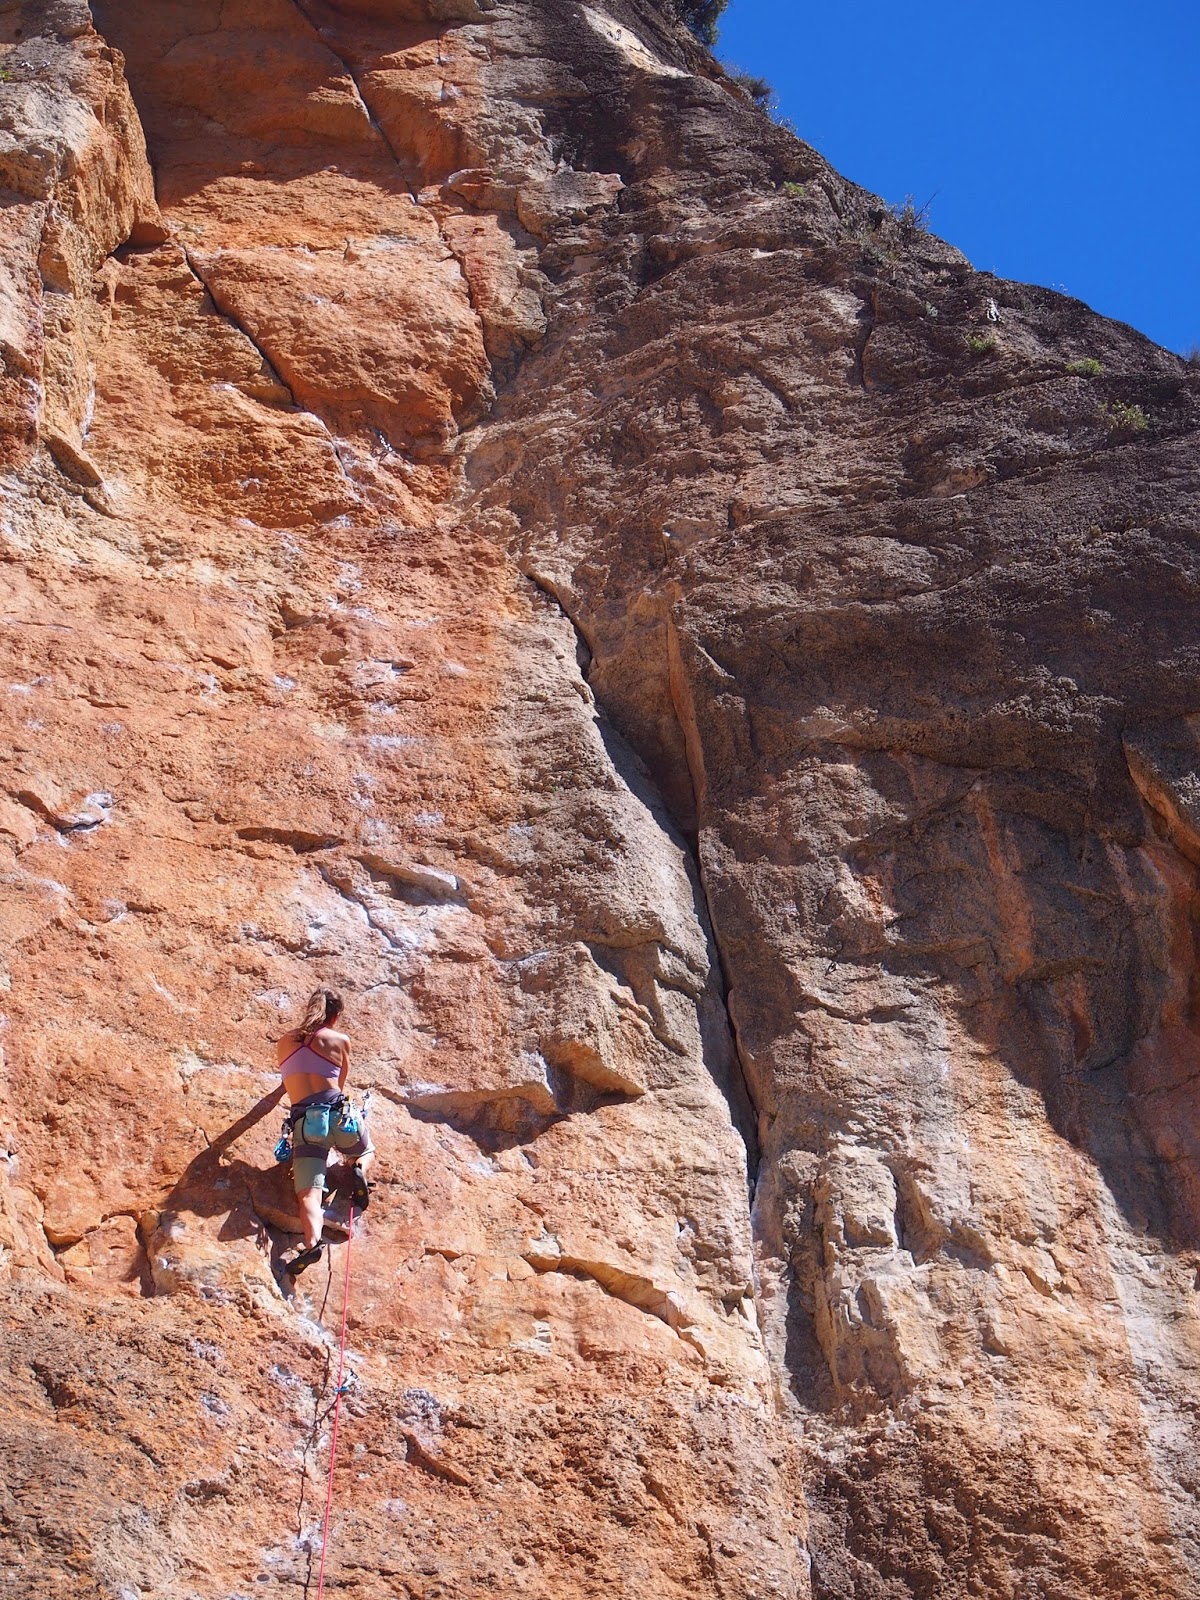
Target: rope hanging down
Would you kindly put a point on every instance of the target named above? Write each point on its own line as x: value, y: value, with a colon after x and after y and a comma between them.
x: 337, y: 1407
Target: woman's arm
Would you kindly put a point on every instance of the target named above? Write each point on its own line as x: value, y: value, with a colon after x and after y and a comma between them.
x: 345, y: 1072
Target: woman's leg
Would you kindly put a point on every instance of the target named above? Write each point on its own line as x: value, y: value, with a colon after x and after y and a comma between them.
x: 360, y: 1194
x: 312, y: 1214
x: 352, y: 1141
x: 308, y: 1176
x: 361, y: 1162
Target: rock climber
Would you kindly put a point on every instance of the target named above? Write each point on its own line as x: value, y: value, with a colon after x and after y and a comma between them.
x: 314, y: 1063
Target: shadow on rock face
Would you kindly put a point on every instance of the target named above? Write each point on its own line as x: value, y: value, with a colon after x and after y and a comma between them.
x: 1093, y: 1003
x: 507, y: 1119
x: 257, y: 1206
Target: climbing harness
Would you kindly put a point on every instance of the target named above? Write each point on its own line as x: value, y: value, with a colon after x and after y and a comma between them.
x: 337, y: 1407
x: 307, y: 1128
x: 307, y: 1123
x: 312, y: 1127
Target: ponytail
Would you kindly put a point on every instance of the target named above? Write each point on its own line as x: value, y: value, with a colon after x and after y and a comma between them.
x: 324, y: 1006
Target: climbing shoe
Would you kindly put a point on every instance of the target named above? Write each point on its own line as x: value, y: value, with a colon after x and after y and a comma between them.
x: 360, y: 1195
x: 305, y: 1258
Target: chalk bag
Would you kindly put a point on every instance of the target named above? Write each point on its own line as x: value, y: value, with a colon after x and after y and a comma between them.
x: 316, y: 1124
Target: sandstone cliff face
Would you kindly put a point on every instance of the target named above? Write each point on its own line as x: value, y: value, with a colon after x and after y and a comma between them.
x: 493, y: 524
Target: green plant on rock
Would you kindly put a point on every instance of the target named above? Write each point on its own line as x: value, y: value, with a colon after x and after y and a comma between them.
x: 701, y: 16
x: 910, y: 218
x: 981, y: 344
x: 754, y: 88
x: 873, y: 253
x: 1086, y: 367
x: 795, y: 191
x: 1124, y: 420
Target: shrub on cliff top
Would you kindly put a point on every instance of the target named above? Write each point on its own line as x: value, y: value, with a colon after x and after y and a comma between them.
x: 701, y: 16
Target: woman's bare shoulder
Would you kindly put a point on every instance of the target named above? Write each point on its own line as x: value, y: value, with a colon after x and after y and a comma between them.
x: 331, y: 1039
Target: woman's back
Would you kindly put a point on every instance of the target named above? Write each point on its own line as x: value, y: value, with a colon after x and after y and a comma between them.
x: 309, y: 1063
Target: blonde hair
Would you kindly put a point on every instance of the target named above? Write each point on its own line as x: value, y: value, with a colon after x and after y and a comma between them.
x: 324, y: 1007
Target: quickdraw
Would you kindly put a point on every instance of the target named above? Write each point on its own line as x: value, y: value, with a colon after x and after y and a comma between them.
x: 283, y: 1150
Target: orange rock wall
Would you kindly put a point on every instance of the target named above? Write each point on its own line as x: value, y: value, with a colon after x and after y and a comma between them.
x: 484, y: 523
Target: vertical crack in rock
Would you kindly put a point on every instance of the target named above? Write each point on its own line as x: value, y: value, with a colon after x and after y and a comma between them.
x: 377, y: 125
x: 685, y: 716
x: 322, y: 37
x: 223, y: 309
x: 870, y: 314
x: 744, y: 1115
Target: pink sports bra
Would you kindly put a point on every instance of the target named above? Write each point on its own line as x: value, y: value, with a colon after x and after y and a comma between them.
x: 311, y: 1061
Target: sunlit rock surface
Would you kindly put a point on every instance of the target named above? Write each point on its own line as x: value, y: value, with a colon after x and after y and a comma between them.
x: 492, y: 524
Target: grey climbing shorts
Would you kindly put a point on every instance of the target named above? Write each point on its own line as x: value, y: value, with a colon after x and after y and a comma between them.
x: 325, y: 1128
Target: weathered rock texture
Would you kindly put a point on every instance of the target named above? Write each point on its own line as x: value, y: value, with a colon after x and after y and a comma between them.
x: 493, y: 524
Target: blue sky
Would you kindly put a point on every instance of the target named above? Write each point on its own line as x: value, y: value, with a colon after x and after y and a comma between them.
x: 1060, y: 140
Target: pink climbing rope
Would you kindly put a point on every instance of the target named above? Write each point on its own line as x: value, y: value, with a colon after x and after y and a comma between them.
x: 337, y: 1406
